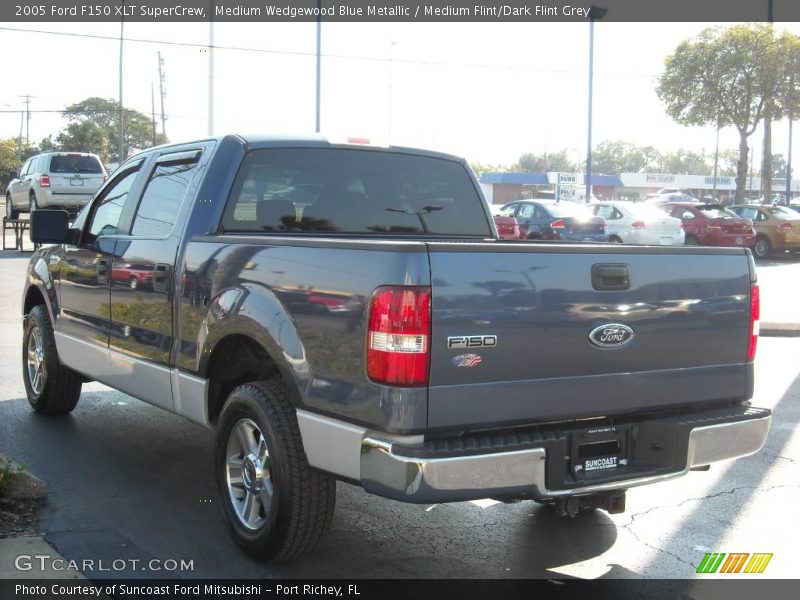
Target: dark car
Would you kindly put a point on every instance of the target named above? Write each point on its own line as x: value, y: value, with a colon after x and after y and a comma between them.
x: 556, y: 221
x: 712, y: 225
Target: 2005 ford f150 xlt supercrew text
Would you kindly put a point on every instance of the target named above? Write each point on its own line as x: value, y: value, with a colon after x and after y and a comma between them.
x: 347, y: 312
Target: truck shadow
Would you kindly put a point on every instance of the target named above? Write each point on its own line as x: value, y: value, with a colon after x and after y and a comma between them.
x: 126, y: 480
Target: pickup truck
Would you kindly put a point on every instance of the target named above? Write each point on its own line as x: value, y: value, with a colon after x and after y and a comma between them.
x: 345, y: 312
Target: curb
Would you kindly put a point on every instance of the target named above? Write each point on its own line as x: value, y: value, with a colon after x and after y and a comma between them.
x: 780, y: 329
x: 33, y: 546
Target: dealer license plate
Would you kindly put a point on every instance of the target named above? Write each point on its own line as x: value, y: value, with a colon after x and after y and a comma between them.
x: 76, y: 181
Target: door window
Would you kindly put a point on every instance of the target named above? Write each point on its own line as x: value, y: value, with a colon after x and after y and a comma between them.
x: 164, y: 194
x: 526, y: 211
x: 108, y: 209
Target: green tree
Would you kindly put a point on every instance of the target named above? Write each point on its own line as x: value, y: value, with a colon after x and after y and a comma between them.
x: 480, y: 169
x: 93, y: 126
x: 723, y: 77
x: 615, y: 156
x: 544, y: 163
x: 685, y: 162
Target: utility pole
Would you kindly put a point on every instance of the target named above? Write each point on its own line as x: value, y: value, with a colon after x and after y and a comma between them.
x: 595, y: 13
x: 161, y: 78
x: 153, y: 111
x: 122, y: 153
x: 27, y: 104
x: 211, y: 73
x: 319, y: 64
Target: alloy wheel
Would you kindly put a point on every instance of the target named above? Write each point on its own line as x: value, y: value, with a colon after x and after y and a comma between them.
x: 248, y: 474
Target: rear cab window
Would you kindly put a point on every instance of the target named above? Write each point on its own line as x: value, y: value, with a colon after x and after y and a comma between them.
x: 75, y: 163
x: 334, y: 190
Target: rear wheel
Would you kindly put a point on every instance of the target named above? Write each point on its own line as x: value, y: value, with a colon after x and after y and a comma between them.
x: 134, y: 283
x: 11, y: 213
x: 52, y: 388
x: 762, y: 247
x: 276, y: 507
x: 691, y: 241
x: 32, y: 205
x: 615, y: 239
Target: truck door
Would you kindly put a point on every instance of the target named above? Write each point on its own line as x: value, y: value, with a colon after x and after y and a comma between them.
x: 83, y: 274
x: 143, y: 279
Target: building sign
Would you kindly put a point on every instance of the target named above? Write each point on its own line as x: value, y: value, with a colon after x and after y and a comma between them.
x: 567, y: 178
x: 657, y: 178
x: 720, y: 180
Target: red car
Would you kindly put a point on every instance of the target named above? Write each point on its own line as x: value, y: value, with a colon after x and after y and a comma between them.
x: 134, y: 275
x: 712, y: 225
x: 507, y: 227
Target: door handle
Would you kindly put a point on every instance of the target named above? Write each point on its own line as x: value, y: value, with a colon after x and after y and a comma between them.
x: 610, y: 277
x: 102, y: 270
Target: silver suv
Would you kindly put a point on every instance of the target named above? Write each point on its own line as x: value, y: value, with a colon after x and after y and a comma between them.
x: 55, y: 180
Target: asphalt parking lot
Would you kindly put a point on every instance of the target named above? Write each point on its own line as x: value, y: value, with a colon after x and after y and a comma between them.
x: 128, y: 481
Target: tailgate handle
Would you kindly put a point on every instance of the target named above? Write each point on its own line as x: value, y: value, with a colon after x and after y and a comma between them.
x: 610, y: 277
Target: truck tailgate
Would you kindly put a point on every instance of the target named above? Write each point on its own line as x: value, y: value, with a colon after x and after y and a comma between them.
x: 512, y: 324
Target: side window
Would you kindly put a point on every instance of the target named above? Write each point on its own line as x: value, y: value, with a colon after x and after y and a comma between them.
x: 41, y: 166
x: 108, y: 209
x: 540, y: 213
x: 25, y: 167
x: 526, y: 211
x: 508, y: 210
x: 760, y: 216
x: 164, y: 194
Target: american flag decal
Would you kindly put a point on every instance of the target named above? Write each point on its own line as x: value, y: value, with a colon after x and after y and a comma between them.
x: 467, y: 360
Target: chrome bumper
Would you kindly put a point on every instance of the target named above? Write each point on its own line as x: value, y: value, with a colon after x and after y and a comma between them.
x: 508, y: 474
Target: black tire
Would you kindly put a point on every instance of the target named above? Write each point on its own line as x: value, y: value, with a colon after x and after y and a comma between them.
x: 11, y: 212
x: 60, y: 388
x: 32, y: 204
x: 134, y: 283
x: 301, y: 503
x: 762, y: 247
x: 615, y: 239
x: 691, y: 241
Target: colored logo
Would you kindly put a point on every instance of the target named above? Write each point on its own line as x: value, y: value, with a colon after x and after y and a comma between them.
x: 466, y: 360
x: 736, y: 562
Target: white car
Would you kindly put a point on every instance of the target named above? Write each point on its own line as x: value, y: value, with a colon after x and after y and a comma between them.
x: 630, y: 223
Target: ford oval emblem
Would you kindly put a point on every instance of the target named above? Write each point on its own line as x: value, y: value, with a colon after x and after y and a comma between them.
x: 611, y: 335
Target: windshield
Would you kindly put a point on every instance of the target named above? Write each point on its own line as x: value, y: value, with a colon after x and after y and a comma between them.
x: 717, y: 212
x: 567, y: 209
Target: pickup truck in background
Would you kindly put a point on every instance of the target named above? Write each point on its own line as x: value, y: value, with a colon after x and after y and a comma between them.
x: 347, y: 312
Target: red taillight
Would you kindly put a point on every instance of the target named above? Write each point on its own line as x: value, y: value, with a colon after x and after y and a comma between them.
x: 755, y: 322
x: 639, y: 225
x: 358, y: 140
x: 517, y: 232
x: 398, y: 340
x: 44, y: 181
x: 558, y: 224
x: 785, y: 226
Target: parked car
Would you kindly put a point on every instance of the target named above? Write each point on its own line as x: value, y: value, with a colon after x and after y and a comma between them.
x: 556, y: 221
x: 64, y: 180
x: 381, y: 337
x: 712, y: 225
x: 630, y: 223
x: 675, y: 190
x: 777, y: 227
x: 507, y: 227
x: 134, y: 275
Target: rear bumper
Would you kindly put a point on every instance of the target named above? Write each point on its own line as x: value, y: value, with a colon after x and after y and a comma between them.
x: 456, y: 471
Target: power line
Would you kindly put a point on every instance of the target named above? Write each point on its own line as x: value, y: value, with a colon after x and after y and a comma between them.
x: 408, y: 61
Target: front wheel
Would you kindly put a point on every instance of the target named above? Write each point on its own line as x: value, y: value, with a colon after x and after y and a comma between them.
x: 52, y: 388
x: 762, y: 247
x: 276, y: 507
x: 691, y: 241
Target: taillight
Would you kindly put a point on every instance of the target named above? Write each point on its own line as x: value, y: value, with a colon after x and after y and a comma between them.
x: 755, y: 322
x: 639, y: 225
x: 785, y: 226
x: 44, y: 181
x: 558, y: 224
x: 398, y: 339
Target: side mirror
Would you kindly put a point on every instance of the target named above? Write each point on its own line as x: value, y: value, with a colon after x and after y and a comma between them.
x: 49, y: 226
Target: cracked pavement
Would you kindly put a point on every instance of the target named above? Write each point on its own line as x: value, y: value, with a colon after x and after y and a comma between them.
x: 127, y: 480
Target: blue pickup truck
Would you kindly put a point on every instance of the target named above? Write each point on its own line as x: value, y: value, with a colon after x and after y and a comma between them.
x: 346, y: 312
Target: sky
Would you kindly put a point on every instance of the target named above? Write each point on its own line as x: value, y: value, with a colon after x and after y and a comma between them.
x: 486, y: 91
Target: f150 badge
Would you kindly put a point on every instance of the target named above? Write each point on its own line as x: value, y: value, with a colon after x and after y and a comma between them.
x: 611, y: 335
x: 472, y: 341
